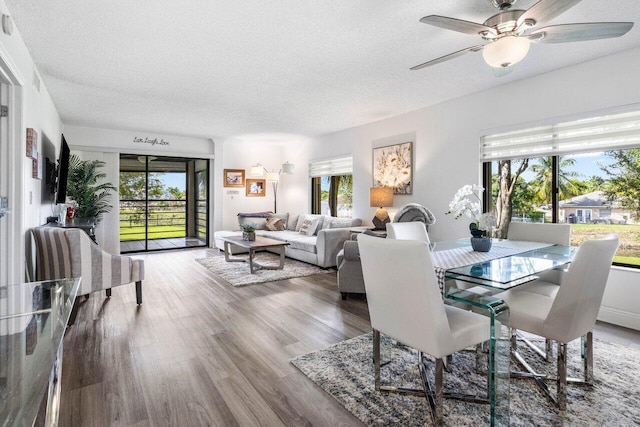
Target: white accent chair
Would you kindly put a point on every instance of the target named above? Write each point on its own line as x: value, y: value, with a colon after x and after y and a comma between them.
x: 70, y: 252
x: 549, y: 281
x: 407, y: 231
x: 569, y: 314
x: 557, y: 234
x: 405, y: 304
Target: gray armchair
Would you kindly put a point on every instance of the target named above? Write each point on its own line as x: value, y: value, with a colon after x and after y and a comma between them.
x: 350, y: 278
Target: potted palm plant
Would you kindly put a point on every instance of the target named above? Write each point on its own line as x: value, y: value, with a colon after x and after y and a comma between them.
x: 91, y: 199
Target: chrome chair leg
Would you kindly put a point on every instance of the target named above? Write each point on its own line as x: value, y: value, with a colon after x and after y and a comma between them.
x: 433, y: 393
x: 437, y: 415
x: 587, y: 343
x: 561, y: 382
x: 376, y: 357
x: 547, y: 349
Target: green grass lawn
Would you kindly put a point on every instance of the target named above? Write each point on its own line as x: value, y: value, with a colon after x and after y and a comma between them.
x: 155, y: 232
x: 629, y: 250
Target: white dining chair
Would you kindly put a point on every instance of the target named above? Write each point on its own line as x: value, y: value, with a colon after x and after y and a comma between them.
x: 549, y: 281
x: 569, y: 314
x: 407, y: 231
x: 405, y: 304
x: 557, y: 234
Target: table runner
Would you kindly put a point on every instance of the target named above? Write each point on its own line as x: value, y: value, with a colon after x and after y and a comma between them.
x: 462, y: 256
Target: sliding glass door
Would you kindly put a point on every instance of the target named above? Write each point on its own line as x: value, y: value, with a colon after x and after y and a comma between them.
x: 163, y: 202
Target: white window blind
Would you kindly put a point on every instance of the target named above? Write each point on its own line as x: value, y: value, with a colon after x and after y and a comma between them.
x: 607, y: 132
x: 329, y: 167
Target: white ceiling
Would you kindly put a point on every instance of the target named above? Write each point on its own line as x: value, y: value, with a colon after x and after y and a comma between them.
x: 225, y: 69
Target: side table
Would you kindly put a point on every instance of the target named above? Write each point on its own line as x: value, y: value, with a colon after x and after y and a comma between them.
x: 88, y: 225
x: 369, y: 230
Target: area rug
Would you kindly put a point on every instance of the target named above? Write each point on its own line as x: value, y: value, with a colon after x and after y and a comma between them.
x: 237, y: 273
x: 345, y: 371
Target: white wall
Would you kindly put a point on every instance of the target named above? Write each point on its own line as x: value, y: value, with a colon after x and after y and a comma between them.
x: 243, y: 155
x: 447, y: 137
x: 34, y: 109
x: 106, y: 145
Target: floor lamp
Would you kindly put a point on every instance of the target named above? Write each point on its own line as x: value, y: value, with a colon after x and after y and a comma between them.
x: 273, y: 178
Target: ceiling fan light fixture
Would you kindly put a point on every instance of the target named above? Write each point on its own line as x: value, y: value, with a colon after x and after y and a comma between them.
x: 506, y: 51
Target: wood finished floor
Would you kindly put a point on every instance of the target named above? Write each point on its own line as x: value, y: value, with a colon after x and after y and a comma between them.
x: 199, y: 352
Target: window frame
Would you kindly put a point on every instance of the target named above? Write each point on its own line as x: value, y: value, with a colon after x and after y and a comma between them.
x: 555, y: 204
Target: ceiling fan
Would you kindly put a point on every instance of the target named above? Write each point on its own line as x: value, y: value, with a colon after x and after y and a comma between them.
x: 508, y: 31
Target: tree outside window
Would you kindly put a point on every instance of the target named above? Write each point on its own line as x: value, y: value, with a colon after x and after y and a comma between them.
x: 598, y: 194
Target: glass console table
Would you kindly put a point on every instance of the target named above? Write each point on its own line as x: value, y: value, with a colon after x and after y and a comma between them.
x: 33, y: 318
x: 88, y: 225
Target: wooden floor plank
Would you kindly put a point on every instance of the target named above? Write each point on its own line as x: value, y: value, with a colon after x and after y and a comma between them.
x: 200, y: 352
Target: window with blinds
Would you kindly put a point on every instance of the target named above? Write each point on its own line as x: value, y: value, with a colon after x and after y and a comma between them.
x: 607, y: 132
x: 334, y: 166
x: 583, y: 173
x: 332, y: 186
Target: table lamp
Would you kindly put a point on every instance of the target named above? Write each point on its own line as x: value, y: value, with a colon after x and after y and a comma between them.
x: 378, y: 198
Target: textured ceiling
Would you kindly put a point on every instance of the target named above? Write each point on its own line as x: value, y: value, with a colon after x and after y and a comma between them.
x: 224, y: 69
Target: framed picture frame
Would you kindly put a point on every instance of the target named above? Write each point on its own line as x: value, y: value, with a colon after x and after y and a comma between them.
x: 393, y: 167
x: 234, y: 178
x: 32, y: 144
x: 38, y: 166
x: 256, y: 187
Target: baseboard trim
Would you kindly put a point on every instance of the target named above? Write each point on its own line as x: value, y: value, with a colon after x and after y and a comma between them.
x: 619, y: 317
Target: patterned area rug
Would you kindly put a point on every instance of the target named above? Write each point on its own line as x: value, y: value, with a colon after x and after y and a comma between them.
x: 345, y: 371
x: 237, y: 273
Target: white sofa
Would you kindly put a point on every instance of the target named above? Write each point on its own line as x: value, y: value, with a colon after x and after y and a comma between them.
x: 320, y: 249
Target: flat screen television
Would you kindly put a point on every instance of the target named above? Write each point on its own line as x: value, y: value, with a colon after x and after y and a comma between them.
x: 63, y: 172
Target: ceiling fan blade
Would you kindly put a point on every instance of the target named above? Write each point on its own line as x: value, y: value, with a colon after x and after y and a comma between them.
x: 546, y: 10
x: 579, y: 32
x: 448, y: 57
x: 458, y: 25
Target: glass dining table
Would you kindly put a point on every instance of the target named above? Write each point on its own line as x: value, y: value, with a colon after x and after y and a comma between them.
x: 508, y: 264
x: 33, y: 318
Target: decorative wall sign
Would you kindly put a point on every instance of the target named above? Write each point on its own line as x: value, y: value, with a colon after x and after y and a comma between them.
x: 32, y: 143
x: 256, y: 187
x: 151, y: 141
x: 393, y: 167
x: 234, y: 177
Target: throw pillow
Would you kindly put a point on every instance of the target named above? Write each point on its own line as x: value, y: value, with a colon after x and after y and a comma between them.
x: 310, y: 216
x: 284, y: 216
x: 275, y: 224
x: 309, y: 226
x: 292, y: 222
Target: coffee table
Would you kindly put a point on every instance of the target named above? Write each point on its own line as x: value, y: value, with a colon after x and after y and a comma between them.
x: 260, y: 243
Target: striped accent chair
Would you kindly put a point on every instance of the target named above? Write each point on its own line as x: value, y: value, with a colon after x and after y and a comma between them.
x: 70, y: 252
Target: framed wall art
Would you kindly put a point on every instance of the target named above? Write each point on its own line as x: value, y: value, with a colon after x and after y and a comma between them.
x: 32, y: 143
x: 256, y: 187
x: 234, y: 177
x: 393, y: 167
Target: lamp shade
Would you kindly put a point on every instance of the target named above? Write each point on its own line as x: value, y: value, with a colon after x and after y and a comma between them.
x: 506, y: 51
x: 288, y: 168
x: 257, y: 170
x: 380, y: 196
x: 273, y: 176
